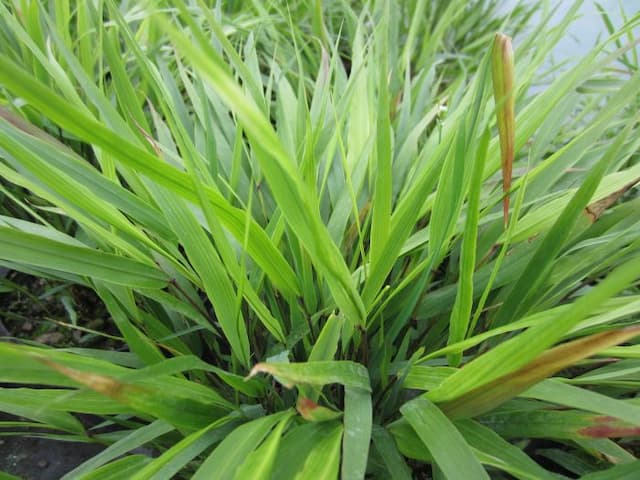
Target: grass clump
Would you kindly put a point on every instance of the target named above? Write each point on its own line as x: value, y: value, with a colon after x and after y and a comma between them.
x: 293, y: 217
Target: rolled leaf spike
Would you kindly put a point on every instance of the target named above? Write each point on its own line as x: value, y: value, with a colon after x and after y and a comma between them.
x: 503, y: 90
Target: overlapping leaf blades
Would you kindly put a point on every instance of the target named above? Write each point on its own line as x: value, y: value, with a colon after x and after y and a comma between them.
x: 323, y: 208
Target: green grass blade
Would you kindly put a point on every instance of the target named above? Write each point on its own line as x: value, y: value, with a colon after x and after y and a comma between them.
x: 460, y: 316
x: 542, y: 261
x: 126, y: 466
x: 43, y: 252
x: 492, y: 394
x: 80, y: 123
x: 12, y: 403
x: 450, y: 451
x: 227, y: 457
x: 8, y: 476
x: 515, y: 353
x: 133, y: 440
x: 495, y: 451
x: 557, y: 424
x: 555, y: 391
x: 357, y: 433
x: 180, y: 402
x: 310, y: 450
x: 185, y: 450
x: 324, y: 349
x: 297, y: 205
x: 207, y: 263
x: 117, y: 300
x: 347, y: 373
x: 326, y: 346
x: 386, y: 447
x: 323, y: 460
x: 382, y: 195
x: 259, y: 464
x: 62, y: 159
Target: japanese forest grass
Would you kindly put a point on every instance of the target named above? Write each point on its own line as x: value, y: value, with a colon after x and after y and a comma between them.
x: 294, y: 218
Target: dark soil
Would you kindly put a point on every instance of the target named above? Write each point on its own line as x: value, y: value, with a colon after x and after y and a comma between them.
x: 34, y: 309
x: 39, y: 310
x: 42, y: 459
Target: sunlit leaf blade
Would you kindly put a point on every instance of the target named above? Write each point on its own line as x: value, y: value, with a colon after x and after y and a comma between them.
x: 327, y: 344
x: 58, y: 400
x: 227, y: 457
x: 382, y: 200
x: 297, y: 204
x: 358, y: 417
x: 426, y: 378
x: 184, y: 363
x: 324, y: 458
x: 324, y: 349
x: 175, y: 458
x: 127, y: 465
x: 76, y: 196
x: 184, y: 413
x: 133, y: 440
x: 349, y: 374
x: 515, y: 353
x: 461, y: 313
x: 47, y: 159
x: 80, y: 123
x: 450, y: 451
x: 311, y: 450
x: 8, y: 476
x: 181, y: 403
x: 259, y: 464
x: 35, y: 250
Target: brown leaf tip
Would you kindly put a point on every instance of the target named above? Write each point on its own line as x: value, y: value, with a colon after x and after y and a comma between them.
x: 305, y: 406
x: 609, y: 427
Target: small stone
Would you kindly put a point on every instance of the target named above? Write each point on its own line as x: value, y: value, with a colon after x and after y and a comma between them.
x: 43, y: 464
x: 27, y: 326
x: 95, y: 324
x: 51, y: 338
